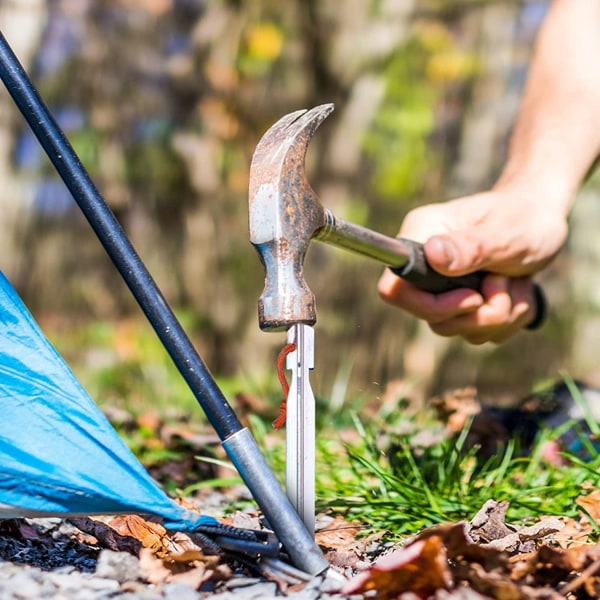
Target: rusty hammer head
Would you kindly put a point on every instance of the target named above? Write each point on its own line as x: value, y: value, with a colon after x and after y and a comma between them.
x: 284, y: 214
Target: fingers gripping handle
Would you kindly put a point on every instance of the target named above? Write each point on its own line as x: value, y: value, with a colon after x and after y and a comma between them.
x: 420, y: 273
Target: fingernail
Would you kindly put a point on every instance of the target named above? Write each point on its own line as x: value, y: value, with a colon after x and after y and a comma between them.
x: 472, y: 302
x: 445, y: 249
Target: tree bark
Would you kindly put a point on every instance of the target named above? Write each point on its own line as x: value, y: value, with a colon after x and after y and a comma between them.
x: 22, y: 23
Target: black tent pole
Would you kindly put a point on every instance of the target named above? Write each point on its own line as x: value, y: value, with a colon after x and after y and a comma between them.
x: 237, y: 440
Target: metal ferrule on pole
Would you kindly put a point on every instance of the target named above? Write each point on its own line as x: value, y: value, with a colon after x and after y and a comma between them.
x: 243, y: 451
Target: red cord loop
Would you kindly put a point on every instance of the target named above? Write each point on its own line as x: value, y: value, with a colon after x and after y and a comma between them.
x: 280, y: 420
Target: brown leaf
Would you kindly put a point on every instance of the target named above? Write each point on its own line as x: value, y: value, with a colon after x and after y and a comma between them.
x: 574, y: 533
x: 572, y: 559
x: 337, y: 534
x: 150, y: 535
x: 518, y: 541
x: 420, y: 568
x: 20, y: 529
x: 489, y: 571
x: 592, y: 587
x: 190, y: 567
x: 456, y: 408
x: 106, y: 535
x: 460, y: 409
x: 555, y: 566
x: 591, y: 504
x: 152, y: 568
x: 182, y: 544
x: 543, y: 528
x: 243, y: 520
x: 171, y: 434
x: 488, y: 524
x: 188, y: 556
x: 491, y: 583
x: 339, y: 539
x: 176, y: 547
x: 193, y: 577
x: 398, y: 394
x: 460, y: 547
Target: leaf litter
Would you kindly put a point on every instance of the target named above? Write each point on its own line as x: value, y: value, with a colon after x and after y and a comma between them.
x: 547, y: 557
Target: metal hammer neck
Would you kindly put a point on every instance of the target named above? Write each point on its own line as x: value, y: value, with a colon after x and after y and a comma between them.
x: 343, y: 234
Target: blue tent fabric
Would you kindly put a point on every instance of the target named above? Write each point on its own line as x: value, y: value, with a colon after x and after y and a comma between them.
x: 59, y: 455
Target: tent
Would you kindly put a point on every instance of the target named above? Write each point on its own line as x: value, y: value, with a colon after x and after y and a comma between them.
x: 59, y: 455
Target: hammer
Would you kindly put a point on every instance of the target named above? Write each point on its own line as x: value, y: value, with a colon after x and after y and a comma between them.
x: 285, y: 214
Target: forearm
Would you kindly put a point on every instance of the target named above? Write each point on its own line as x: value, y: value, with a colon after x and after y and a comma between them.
x: 557, y: 133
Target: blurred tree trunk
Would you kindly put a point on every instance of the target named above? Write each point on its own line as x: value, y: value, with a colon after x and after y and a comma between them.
x: 583, y: 274
x: 22, y: 23
x: 492, y: 105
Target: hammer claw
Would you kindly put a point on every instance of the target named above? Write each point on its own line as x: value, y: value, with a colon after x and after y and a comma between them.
x: 279, y: 129
x: 291, y: 133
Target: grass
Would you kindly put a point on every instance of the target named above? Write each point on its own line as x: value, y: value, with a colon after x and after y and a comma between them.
x: 387, y: 483
x: 403, y: 489
x: 366, y: 470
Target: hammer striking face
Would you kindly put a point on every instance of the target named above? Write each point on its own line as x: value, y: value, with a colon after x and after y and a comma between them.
x: 283, y: 218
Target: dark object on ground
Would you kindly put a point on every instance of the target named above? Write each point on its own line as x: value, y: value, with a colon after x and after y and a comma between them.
x: 552, y: 408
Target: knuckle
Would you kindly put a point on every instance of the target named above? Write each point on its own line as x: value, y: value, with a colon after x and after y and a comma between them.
x: 417, y: 223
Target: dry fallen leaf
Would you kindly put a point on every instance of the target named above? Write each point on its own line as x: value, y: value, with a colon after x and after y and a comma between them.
x: 489, y: 529
x: 488, y: 524
x: 341, y: 543
x: 188, y: 566
x: 460, y: 547
x: 591, y: 505
x: 177, y: 546
x: 193, y: 577
x: 457, y: 408
x: 151, y: 535
x: 337, y: 533
x: 548, y: 572
x: 574, y: 533
x: 421, y: 568
x: 21, y: 529
x: 107, y: 536
x: 152, y: 568
x: 243, y: 520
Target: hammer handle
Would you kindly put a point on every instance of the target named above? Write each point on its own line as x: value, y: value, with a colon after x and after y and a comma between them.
x: 420, y: 273
x: 406, y: 258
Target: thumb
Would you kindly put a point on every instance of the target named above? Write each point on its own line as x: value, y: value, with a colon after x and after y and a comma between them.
x: 457, y: 254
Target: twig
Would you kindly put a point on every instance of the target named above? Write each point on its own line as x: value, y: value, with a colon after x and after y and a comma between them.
x: 581, y: 579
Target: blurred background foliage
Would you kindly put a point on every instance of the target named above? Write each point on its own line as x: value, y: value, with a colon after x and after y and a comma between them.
x: 165, y: 100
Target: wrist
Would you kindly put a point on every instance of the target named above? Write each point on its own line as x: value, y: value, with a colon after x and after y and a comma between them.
x: 546, y: 193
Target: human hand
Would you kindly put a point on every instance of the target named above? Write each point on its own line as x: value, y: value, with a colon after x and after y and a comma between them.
x: 503, y: 232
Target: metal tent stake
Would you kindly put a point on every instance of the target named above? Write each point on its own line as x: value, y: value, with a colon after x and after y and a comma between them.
x: 237, y: 441
x: 300, y: 425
